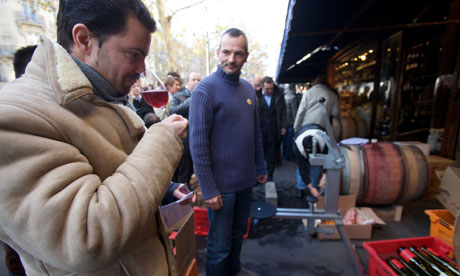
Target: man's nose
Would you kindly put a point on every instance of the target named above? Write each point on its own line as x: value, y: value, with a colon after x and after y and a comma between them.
x: 141, y: 67
x: 231, y: 57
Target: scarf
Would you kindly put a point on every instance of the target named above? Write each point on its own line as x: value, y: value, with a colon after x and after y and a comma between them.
x: 103, y: 90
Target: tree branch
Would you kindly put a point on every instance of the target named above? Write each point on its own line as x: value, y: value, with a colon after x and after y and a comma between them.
x: 183, y: 8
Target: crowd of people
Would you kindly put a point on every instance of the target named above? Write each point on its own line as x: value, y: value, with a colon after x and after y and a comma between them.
x: 281, y: 122
x: 88, y: 160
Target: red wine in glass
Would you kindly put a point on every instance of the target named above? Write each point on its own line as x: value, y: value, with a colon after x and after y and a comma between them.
x: 157, y: 98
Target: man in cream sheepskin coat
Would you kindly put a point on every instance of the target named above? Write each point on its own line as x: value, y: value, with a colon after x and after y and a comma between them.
x: 82, y: 178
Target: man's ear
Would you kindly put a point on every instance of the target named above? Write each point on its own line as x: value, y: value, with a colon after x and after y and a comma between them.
x: 82, y: 38
x: 246, y: 58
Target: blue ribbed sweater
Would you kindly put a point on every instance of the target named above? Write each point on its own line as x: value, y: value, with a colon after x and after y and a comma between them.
x: 225, y: 138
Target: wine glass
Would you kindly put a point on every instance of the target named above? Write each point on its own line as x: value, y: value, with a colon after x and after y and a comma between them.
x: 155, y: 96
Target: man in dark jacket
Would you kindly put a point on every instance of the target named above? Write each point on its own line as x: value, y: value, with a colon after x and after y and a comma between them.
x: 272, y: 115
x: 180, y: 105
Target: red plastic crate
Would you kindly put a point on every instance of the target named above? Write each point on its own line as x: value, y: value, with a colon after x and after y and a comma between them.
x: 379, y: 251
x: 201, y: 221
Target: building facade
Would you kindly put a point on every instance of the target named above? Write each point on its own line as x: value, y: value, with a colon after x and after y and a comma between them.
x: 21, y: 24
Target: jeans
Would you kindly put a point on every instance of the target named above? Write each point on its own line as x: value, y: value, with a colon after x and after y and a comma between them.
x: 227, y: 227
x: 315, y: 174
x: 300, y: 184
x: 270, y: 145
x: 305, y: 172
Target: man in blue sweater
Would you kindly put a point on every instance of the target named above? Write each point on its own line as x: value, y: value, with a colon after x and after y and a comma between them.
x: 226, y: 147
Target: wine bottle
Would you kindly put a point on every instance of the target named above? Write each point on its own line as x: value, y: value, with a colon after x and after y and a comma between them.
x: 430, y: 267
x: 413, y: 261
x: 398, y: 267
x: 452, y: 262
x: 437, y: 259
x: 414, y: 272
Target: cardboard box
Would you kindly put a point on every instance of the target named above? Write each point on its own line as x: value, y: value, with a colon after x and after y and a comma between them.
x: 183, y: 240
x: 392, y: 212
x: 355, y: 231
x: 424, y: 147
x: 345, y: 202
x: 449, y: 190
x: 435, y: 163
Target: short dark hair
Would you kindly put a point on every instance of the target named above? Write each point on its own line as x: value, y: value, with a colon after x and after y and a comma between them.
x: 21, y: 58
x: 102, y: 17
x: 307, y: 144
x: 234, y: 32
x: 173, y: 73
x: 171, y: 79
x: 267, y: 79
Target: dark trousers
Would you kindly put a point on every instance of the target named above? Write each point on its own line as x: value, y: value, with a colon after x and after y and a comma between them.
x: 288, y: 140
x: 270, y: 144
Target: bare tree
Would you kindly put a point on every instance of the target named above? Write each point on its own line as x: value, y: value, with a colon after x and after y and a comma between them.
x: 165, y: 22
x: 256, y: 59
x: 198, y: 54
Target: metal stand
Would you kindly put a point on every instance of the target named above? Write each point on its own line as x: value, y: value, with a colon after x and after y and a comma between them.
x: 332, y: 162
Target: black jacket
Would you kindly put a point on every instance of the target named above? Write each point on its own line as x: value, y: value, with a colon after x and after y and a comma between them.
x: 278, y: 103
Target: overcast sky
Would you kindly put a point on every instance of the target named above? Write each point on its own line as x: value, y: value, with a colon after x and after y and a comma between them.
x: 262, y: 20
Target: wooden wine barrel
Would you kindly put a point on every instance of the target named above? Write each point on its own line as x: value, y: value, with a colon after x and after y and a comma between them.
x: 348, y: 127
x: 361, y: 128
x: 354, y: 171
x: 336, y: 128
x: 416, y: 173
x: 385, y: 174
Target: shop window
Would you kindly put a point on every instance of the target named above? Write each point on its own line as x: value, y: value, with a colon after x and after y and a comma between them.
x: 420, y: 69
x: 354, y: 76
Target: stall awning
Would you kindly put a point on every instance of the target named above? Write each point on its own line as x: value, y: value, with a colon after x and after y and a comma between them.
x: 316, y: 30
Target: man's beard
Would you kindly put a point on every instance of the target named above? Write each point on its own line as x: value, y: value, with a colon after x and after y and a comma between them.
x: 237, y: 72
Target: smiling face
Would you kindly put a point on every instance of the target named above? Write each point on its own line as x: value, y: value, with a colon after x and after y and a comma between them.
x: 121, y: 58
x: 232, y: 54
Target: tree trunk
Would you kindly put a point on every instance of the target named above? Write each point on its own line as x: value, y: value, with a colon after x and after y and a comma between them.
x: 166, y: 33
